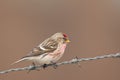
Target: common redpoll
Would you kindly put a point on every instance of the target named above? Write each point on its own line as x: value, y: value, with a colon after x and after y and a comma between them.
x: 49, y: 51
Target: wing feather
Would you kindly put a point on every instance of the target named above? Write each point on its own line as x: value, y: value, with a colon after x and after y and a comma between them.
x: 46, y: 47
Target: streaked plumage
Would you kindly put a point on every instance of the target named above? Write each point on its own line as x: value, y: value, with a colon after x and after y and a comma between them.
x: 50, y: 50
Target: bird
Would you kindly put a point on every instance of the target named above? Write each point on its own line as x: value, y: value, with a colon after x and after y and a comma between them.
x: 49, y: 51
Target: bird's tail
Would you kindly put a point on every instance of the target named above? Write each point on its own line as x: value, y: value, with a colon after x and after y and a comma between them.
x: 23, y: 59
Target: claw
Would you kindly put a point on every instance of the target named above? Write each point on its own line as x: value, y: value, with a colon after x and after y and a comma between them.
x: 54, y: 65
x: 33, y: 68
x: 77, y: 61
x: 44, y: 66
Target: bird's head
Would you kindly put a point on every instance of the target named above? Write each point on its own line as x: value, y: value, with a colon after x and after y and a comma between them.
x: 61, y: 37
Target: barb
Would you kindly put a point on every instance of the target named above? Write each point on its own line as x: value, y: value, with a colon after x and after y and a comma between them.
x: 73, y: 61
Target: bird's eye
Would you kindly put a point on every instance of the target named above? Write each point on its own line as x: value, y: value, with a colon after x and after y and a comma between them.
x: 64, y: 39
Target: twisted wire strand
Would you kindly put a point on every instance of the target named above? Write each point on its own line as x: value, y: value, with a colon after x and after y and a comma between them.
x: 72, y: 61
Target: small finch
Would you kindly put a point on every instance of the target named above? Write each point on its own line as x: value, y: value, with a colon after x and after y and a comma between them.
x: 49, y: 51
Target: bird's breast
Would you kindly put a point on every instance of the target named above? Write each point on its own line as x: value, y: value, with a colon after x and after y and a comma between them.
x: 57, y: 54
x: 52, y: 56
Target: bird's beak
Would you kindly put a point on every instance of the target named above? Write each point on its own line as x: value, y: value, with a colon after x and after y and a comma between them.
x: 67, y: 40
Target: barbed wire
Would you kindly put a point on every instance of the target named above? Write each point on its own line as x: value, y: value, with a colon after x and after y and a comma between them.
x: 72, y: 61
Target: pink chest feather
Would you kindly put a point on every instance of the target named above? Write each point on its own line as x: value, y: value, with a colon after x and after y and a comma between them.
x: 63, y: 48
x: 60, y: 51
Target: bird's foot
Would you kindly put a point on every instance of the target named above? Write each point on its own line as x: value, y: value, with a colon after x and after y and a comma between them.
x: 33, y: 67
x: 54, y: 65
x: 77, y: 61
x: 44, y: 66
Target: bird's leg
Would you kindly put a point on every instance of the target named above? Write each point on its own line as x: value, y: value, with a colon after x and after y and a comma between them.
x: 33, y: 64
x: 77, y: 61
x: 33, y: 67
x: 54, y: 65
x: 44, y: 66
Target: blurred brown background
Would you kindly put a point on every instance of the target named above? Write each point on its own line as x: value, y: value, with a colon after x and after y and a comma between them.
x: 92, y: 25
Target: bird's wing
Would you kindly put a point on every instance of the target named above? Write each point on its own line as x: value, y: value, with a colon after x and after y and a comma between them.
x: 49, y: 44
x: 46, y: 47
